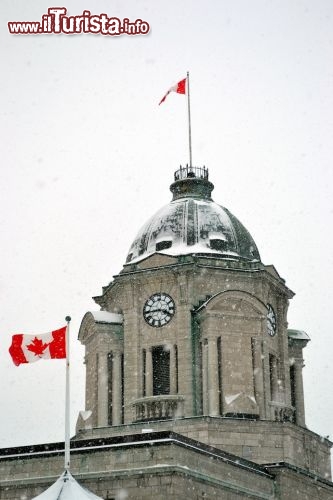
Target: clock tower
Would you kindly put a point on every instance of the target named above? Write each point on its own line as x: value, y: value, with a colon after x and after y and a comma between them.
x: 192, y: 335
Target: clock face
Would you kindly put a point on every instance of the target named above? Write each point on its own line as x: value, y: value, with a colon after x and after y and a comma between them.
x: 159, y: 309
x: 271, y: 321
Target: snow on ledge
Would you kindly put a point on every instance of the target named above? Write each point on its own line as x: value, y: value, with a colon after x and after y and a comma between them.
x: 298, y: 335
x: 107, y: 317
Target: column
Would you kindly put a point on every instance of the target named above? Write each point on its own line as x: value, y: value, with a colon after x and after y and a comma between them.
x: 149, y: 372
x: 274, y: 378
x: 116, y: 388
x: 284, y: 366
x: 173, y: 371
x: 258, y: 376
x: 299, y: 394
x: 102, y: 390
x: 213, y: 382
x: 204, y: 347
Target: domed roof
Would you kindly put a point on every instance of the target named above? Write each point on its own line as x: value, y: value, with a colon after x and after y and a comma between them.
x: 192, y: 223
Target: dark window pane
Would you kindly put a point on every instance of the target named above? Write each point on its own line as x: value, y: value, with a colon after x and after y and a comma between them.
x: 161, y: 371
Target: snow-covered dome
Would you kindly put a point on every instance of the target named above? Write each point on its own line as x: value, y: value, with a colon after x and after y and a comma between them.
x: 192, y: 223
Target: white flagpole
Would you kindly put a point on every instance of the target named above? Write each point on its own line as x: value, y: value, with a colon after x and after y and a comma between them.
x: 189, y: 117
x: 67, y: 403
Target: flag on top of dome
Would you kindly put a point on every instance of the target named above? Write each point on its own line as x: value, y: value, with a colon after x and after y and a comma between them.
x: 179, y: 88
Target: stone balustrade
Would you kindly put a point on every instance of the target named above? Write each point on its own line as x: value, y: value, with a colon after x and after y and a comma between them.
x: 281, y: 412
x: 158, y: 407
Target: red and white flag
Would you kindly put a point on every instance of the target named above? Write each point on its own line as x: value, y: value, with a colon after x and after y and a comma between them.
x: 180, y: 88
x: 31, y: 348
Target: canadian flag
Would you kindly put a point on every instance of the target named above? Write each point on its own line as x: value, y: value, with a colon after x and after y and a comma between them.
x: 180, y: 88
x: 31, y: 348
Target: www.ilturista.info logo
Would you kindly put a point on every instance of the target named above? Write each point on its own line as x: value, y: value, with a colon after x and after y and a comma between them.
x: 56, y: 22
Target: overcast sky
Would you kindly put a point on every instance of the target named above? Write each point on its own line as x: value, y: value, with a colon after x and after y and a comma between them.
x: 88, y: 155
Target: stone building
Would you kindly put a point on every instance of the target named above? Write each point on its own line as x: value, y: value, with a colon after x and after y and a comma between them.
x: 193, y: 381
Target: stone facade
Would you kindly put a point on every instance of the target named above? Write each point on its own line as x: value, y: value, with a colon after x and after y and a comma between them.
x: 163, y: 464
x: 194, y: 383
x: 263, y: 442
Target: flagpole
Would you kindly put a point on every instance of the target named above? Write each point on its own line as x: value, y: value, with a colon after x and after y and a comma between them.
x: 189, y: 117
x: 67, y: 402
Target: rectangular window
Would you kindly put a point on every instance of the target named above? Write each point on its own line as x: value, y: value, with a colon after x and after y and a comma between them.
x: 176, y: 363
x: 271, y: 375
x: 161, y: 370
x: 218, y: 244
x: 293, y: 391
x: 163, y: 245
x: 110, y: 388
x: 122, y: 388
x: 219, y: 365
x: 200, y: 378
x: 274, y: 376
x: 143, y: 372
x: 254, y: 368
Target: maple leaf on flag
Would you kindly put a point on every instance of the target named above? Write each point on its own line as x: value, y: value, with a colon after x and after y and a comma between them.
x: 37, y: 346
x: 30, y: 348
